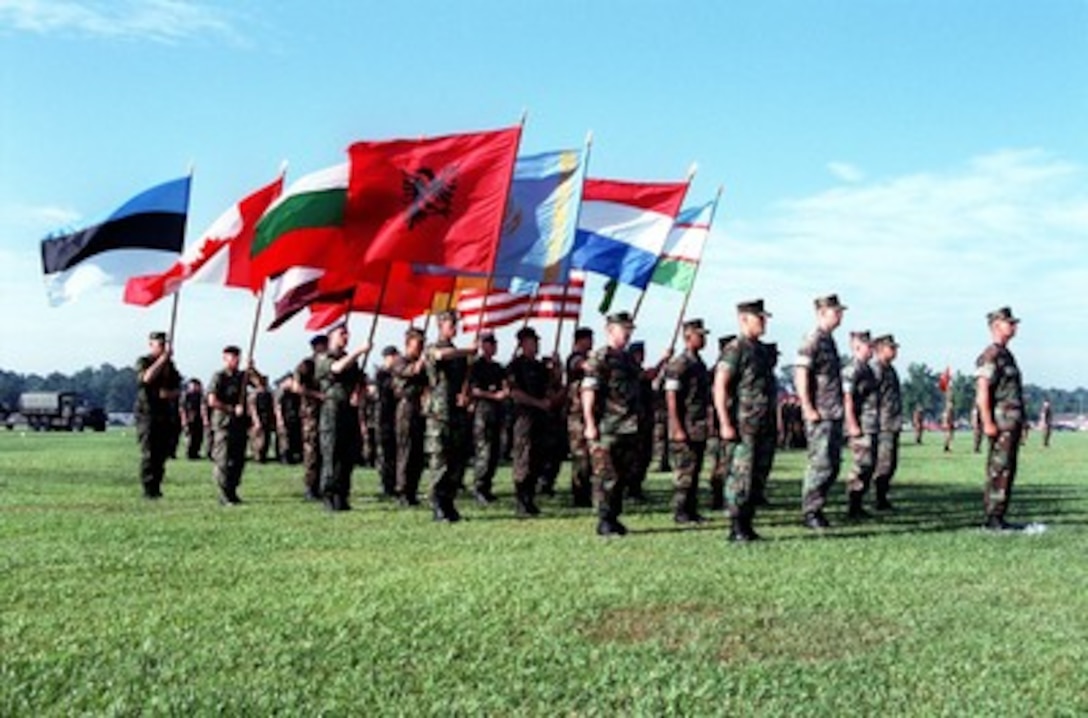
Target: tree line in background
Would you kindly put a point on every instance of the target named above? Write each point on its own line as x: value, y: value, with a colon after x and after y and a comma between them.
x: 114, y: 389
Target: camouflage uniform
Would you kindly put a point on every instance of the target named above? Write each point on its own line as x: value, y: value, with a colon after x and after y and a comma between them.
x: 722, y: 450
x: 338, y: 428
x: 819, y: 356
x: 976, y: 429
x: 386, y: 431
x: 192, y: 405
x: 306, y: 379
x: 752, y: 414
x: 486, y: 375
x: 552, y: 437
x: 155, y: 419
x: 448, y: 431
x: 230, y: 432
x: 581, y: 471
x: 408, y: 385
x: 614, y: 377
x: 291, y: 426
x: 530, y: 377
x: 262, y: 429
x: 651, y: 395
x: 686, y: 376
x: 859, y: 381
x: 890, y: 424
x: 998, y: 368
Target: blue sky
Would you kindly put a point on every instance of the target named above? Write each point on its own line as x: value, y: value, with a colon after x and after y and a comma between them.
x: 925, y: 159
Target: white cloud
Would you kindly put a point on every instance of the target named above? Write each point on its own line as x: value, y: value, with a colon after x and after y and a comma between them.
x: 845, y: 171
x: 166, y: 21
x: 925, y: 255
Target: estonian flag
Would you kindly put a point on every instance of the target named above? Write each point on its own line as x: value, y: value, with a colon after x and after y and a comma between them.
x: 139, y: 238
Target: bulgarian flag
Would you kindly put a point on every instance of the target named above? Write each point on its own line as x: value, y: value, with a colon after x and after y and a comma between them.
x: 679, y: 260
x: 304, y: 228
x: 221, y: 257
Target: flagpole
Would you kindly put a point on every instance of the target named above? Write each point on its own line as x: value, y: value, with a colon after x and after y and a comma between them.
x: 695, y: 272
x: 638, y: 303
x: 177, y: 292
x: 529, y: 311
x: 377, y: 314
x: 577, y: 217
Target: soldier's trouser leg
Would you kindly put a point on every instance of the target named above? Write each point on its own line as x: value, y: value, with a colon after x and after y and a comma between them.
x: 1046, y: 436
x: 762, y: 462
x: 824, y: 457
x: 581, y: 470
x: 485, y: 437
x: 311, y: 456
x: 723, y: 459
x: 154, y: 448
x: 522, y: 467
x: 387, y: 461
x: 687, y: 461
x: 221, y: 458
x: 326, y: 432
x: 887, y: 461
x: 438, y: 446
x: 236, y: 455
x: 640, y: 462
x: 1001, y: 471
x: 738, y: 484
x: 195, y: 440
x: 612, y: 463
x: 977, y: 439
x: 863, y: 449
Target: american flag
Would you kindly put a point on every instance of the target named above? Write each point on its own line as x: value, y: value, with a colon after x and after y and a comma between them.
x: 505, y: 308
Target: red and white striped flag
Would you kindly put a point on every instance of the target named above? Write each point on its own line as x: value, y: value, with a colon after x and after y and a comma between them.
x: 505, y: 308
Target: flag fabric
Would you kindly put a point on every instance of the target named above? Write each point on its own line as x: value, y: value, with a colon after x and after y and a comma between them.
x: 303, y: 228
x: 540, y: 220
x: 407, y: 295
x: 622, y: 227
x: 551, y: 301
x: 296, y: 289
x: 136, y: 239
x: 437, y: 201
x: 683, y: 248
x: 221, y: 257
x: 608, y: 296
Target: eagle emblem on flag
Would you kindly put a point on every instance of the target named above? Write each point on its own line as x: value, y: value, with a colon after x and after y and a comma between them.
x: 428, y: 193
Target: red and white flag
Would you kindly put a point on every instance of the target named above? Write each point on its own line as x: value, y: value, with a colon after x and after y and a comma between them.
x: 551, y: 301
x: 221, y: 257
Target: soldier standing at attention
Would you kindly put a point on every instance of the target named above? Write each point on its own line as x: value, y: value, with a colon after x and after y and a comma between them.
x: 262, y: 412
x: 759, y: 496
x: 487, y: 379
x: 948, y: 422
x: 687, y: 395
x: 194, y: 418
x: 1001, y: 403
x: 746, y: 417
x: 1046, y: 421
x: 386, y: 416
x: 448, y: 428
x: 723, y: 450
x: 289, y: 421
x: 818, y: 377
x: 860, y: 398
x: 309, y: 392
x: 581, y: 471
x: 158, y: 387
x: 226, y: 397
x: 651, y: 398
x: 341, y: 379
x: 409, y: 381
x: 610, y: 409
x: 528, y: 379
x: 918, y: 422
x: 890, y: 418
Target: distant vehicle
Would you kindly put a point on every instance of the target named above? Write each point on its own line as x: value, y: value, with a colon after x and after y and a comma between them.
x: 59, y: 411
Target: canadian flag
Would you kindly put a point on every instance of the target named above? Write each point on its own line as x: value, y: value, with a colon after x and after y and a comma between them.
x: 221, y: 257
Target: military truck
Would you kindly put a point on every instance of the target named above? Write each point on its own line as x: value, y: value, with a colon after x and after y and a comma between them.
x: 59, y: 411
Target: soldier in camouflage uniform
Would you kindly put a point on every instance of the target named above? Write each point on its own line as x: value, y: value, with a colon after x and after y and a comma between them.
x: 1001, y: 403
x: 529, y: 382
x: 581, y: 471
x: 687, y: 395
x: 890, y: 424
x: 306, y: 386
x: 818, y: 376
x: 487, y: 380
x: 742, y: 388
x: 230, y: 423
x: 449, y: 430
x: 723, y: 450
x: 289, y: 421
x: 386, y: 419
x: 861, y: 407
x: 610, y: 409
x: 948, y: 421
x: 341, y: 381
x: 553, y: 439
x: 651, y: 387
x: 409, y: 382
x: 158, y: 386
x: 194, y: 417
x: 262, y: 414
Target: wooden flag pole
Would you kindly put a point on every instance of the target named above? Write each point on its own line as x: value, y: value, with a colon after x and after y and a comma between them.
x: 177, y: 293
x: 638, y: 303
x: 695, y: 272
x: 377, y: 314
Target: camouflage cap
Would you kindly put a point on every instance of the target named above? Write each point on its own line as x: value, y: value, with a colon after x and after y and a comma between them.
x: 488, y: 338
x: 623, y: 318
x: 724, y: 340
x: 449, y: 315
x: 695, y: 325
x: 753, y: 307
x: 583, y: 333
x: 390, y: 351
x: 831, y: 301
x: 527, y: 333
x: 636, y: 347
x: 232, y: 349
x: 1002, y: 314
x: 862, y: 336
x: 886, y: 340
x: 413, y: 333
x: 157, y: 336
x: 318, y: 339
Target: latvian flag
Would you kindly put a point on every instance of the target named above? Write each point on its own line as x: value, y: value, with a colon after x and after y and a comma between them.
x: 684, y: 248
x: 623, y: 226
x: 551, y: 301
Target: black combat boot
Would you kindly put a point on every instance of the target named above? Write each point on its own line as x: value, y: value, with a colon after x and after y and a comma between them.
x: 748, y: 515
x: 856, y: 512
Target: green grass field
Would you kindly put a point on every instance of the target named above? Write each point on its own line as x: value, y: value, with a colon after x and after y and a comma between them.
x: 112, y: 605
